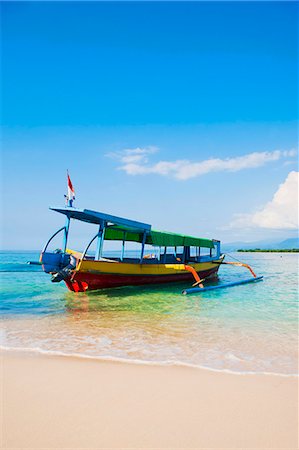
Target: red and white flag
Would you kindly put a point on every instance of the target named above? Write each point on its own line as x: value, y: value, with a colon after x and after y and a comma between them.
x: 70, y: 189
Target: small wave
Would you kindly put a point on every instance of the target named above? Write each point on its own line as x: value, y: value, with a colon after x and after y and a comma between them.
x: 167, y: 363
x: 21, y: 271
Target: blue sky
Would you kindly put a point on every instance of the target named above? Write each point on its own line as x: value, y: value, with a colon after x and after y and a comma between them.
x: 200, y: 97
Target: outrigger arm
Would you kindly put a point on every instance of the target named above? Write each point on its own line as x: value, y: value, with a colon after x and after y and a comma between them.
x: 239, y: 264
x: 198, y: 281
x: 198, y: 285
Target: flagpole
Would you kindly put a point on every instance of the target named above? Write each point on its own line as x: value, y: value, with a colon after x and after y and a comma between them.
x: 69, y: 199
x: 68, y: 220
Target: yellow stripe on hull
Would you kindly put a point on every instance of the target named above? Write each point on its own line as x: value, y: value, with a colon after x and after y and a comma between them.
x: 141, y: 269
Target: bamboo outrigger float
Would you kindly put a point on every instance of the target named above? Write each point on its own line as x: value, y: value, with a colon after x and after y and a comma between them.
x: 172, y: 257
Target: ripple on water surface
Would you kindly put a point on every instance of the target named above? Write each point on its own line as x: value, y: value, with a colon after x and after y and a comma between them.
x: 250, y: 328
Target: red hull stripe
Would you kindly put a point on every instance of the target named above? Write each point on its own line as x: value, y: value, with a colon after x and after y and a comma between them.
x: 83, y: 281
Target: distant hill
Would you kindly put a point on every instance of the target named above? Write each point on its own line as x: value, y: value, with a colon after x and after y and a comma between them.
x: 286, y: 244
x: 289, y: 243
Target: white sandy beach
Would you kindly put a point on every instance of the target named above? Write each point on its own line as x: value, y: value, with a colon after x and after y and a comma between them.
x: 61, y: 402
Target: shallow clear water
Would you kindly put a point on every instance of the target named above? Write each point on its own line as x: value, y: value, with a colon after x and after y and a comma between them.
x: 248, y: 328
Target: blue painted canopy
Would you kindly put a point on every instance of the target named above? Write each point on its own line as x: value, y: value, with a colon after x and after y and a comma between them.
x: 86, y: 215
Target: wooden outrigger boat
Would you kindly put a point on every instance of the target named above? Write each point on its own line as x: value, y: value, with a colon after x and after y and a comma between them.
x: 170, y: 258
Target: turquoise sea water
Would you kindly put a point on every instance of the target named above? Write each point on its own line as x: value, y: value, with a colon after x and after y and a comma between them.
x: 249, y: 328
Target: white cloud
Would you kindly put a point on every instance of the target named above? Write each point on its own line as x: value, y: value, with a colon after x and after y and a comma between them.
x: 133, y: 155
x: 280, y: 213
x: 136, y: 162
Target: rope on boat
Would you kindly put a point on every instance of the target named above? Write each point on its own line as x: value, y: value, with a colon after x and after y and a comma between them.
x: 233, y: 257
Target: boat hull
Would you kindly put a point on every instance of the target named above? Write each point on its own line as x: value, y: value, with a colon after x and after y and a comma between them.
x: 81, y: 281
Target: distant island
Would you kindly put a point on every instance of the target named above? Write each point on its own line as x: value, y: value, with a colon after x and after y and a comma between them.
x: 272, y: 250
x: 287, y: 245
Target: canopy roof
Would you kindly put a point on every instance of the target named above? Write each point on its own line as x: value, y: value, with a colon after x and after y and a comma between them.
x: 157, y: 238
x: 87, y: 215
x: 119, y: 228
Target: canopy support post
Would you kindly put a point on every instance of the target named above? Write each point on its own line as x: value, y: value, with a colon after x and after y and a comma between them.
x: 164, y: 256
x: 218, y: 250
x: 66, y: 232
x: 123, y: 247
x: 100, y: 241
x: 142, y: 247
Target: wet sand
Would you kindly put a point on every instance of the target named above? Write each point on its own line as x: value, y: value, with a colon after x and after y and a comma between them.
x: 52, y: 402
